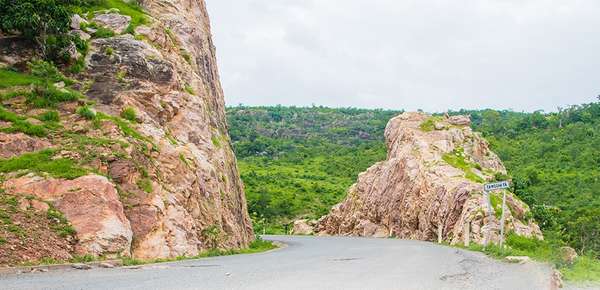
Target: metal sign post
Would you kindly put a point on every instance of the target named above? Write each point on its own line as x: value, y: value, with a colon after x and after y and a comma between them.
x: 487, y: 189
x: 502, y: 219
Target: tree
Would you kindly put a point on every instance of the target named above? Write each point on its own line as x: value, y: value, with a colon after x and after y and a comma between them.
x: 44, y: 21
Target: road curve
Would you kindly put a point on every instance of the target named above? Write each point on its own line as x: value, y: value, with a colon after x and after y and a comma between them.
x: 311, y: 263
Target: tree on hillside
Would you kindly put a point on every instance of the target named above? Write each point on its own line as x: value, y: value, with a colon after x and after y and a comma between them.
x: 44, y: 21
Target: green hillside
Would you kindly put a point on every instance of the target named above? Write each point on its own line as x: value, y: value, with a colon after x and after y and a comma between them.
x: 298, y: 162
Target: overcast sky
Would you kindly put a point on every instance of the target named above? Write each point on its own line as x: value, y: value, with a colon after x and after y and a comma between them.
x: 408, y: 54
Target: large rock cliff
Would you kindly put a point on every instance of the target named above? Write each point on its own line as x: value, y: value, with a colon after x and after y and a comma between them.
x: 155, y: 174
x: 431, y: 180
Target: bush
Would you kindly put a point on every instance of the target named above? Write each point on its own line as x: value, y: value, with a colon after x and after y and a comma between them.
x: 49, y: 116
x: 45, y: 22
x: 86, y: 112
x: 47, y: 71
x: 129, y: 114
x: 45, y: 96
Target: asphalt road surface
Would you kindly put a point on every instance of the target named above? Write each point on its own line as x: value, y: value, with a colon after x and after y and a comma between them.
x: 310, y: 263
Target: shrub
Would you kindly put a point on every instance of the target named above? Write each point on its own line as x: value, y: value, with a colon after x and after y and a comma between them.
x: 45, y: 96
x: 45, y: 22
x: 48, y: 71
x: 103, y: 32
x: 129, y: 114
x: 86, y: 112
x: 145, y: 184
x: 49, y: 116
x: 213, y: 236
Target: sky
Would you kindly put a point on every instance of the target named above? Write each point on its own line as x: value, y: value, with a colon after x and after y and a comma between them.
x: 433, y: 55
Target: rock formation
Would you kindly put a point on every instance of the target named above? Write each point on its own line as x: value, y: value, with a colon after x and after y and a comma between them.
x: 432, y: 180
x: 148, y: 186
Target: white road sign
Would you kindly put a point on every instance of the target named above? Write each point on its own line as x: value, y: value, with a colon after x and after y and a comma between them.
x: 496, y: 185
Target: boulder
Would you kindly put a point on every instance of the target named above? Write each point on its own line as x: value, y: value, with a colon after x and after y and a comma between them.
x: 518, y: 259
x: 460, y: 120
x: 76, y: 21
x: 12, y: 145
x: 568, y: 255
x: 90, y: 203
x: 113, y: 21
x: 303, y: 227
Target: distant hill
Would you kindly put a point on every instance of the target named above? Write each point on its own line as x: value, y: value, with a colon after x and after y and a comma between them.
x: 300, y: 161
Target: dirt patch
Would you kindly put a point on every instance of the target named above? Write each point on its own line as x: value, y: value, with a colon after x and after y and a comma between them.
x: 28, y: 233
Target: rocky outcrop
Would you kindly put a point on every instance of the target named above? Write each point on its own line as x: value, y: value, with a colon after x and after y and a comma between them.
x: 12, y: 145
x: 92, y: 206
x: 430, y: 182
x: 153, y: 181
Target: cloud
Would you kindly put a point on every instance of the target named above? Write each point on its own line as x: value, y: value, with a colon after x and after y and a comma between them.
x: 408, y: 54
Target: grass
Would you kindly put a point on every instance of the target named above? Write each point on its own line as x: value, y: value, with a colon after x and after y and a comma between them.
x: 138, y: 16
x: 9, y: 78
x: 257, y: 246
x: 457, y: 159
x: 48, y: 96
x: 2, y: 241
x: 429, y: 124
x: 20, y: 124
x: 215, y: 140
x: 43, y: 161
x: 145, y: 184
x: 123, y: 125
x: 62, y: 227
x: 129, y: 114
x: 585, y: 268
x: 86, y: 112
x: 102, y: 32
x: 49, y: 116
x: 189, y: 89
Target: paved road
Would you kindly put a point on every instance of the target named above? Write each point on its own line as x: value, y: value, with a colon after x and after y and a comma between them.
x: 310, y: 263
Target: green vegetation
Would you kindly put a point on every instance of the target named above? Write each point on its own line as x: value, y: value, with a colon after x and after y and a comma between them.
x: 43, y: 161
x: 457, y: 159
x: 129, y: 114
x: 298, y: 162
x: 189, y: 89
x: 123, y: 125
x: 49, y: 96
x: 554, y: 162
x: 2, y: 241
x: 9, y: 78
x: 257, y: 246
x: 86, y: 112
x: 145, y: 184
x: 429, y: 124
x: 45, y: 22
x: 20, y: 124
x: 49, y: 116
x: 103, y: 32
x: 131, y: 8
x: 585, y: 268
x: 60, y: 223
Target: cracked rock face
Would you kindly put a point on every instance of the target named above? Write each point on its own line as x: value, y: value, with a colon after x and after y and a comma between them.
x: 421, y: 188
x: 169, y: 173
x: 171, y: 79
x: 92, y: 206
